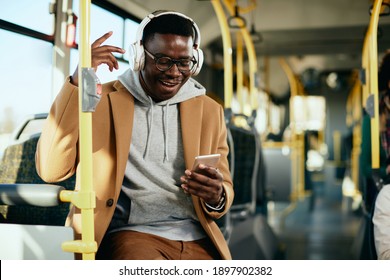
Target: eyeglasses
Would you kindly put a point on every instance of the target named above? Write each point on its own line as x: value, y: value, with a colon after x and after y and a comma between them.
x: 165, y: 63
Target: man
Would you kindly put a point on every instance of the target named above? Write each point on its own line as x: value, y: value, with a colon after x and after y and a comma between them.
x: 147, y: 129
x: 381, y: 215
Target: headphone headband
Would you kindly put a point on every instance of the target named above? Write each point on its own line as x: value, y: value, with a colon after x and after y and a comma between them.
x: 136, y: 51
x: 151, y: 16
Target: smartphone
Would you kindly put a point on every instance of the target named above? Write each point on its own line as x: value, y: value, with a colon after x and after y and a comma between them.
x: 210, y: 160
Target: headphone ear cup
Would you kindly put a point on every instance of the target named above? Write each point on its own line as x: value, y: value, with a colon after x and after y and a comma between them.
x: 136, y: 56
x: 199, y: 58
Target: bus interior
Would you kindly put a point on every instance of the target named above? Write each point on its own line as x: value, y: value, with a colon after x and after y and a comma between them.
x: 294, y: 77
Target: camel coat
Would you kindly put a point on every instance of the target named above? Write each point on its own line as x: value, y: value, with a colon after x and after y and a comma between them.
x: 57, y: 157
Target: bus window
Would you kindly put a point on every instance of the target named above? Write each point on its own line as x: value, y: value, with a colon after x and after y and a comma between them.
x: 99, y: 19
x: 26, y: 77
x: 35, y: 15
x: 130, y: 34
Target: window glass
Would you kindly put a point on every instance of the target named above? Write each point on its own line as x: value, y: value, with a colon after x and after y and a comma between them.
x: 130, y: 35
x: 32, y: 127
x: 21, y: 12
x: 26, y: 78
x: 102, y: 21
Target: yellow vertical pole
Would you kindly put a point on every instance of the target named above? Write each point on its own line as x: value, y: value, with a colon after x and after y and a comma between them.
x: 252, y: 66
x: 356, y: 132
x: 251, y: 57
x: 293, y: 92
x: 227, y: 53
x: 85, y: 120
x: 290, y: 76
x: 298, y: 138
x: 366, y: 69
x: 373, y: 86
x: 337, y: 147
x: 240, y: 71
x: 266, y: 75
x: 85, y: 198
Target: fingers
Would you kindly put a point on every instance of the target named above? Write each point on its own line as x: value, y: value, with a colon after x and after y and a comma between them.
x: 103, y: 54
x: 209, y: 171
x: 101, y: 40
x: 205, y: 183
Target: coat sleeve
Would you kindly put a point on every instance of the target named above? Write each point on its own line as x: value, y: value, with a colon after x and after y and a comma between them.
x: 57, y: 149
x: 223, y: 149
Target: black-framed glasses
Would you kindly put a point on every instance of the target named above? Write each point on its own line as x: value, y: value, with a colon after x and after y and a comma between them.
x: 165, y: 63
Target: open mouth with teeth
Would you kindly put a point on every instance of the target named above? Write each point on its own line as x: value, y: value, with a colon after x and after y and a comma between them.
x: 170, y: 86
x: 169, y: 83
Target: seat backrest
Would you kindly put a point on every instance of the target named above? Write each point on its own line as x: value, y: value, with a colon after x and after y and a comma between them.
x: 244, y: 159
x: 278, y: 188
x: 261, y: 189
x: 245, y: 148
x: 18, y: 166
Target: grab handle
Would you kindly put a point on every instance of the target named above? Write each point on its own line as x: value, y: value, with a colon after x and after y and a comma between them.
x: 236, y: 21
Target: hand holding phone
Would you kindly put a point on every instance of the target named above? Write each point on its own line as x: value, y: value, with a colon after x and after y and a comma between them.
x: 194, y: 182
x: 209, y: 160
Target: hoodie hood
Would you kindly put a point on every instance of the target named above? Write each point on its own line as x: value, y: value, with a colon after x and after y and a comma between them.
x: 159, y: 114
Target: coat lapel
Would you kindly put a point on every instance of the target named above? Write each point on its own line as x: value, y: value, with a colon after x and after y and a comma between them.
x: 191, y: 124
x: 190, y: 114
x: 122, y: 106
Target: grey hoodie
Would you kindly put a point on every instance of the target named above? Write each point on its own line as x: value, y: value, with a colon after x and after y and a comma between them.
x: 151, y: 199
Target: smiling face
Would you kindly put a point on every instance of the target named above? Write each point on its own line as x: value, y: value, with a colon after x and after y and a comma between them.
x: 161, y: 85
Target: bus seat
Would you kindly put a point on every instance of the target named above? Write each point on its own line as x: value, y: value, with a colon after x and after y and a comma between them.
x: 251, y: 236
x: 34, y: 242
x: 262, y: 196
x: 225, y: 222
x: 278, y: 187
x: 245, y: 158
x: 18, y: 166
x: 254, y: 239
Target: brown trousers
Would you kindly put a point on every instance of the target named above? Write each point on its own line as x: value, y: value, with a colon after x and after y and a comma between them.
x: 132, y: 245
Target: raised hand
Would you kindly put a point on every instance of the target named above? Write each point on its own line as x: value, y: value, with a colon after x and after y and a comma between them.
x: 101, y: 54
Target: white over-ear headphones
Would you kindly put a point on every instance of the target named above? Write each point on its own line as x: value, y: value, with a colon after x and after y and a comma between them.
x: 137, y: 53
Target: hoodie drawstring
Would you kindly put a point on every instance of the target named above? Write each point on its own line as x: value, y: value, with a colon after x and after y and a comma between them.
x: 165, y: 128
x: 166, y: 158
x: 150, y: 123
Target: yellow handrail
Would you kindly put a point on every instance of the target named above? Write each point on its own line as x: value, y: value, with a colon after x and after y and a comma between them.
x: 227, y: 53
x: 373, y: 84
x: 290, y: 76
x: 366, y: 70
x: 251, y: 56
x: 240, y: 72
x: 85, y: 198
x: 355, y: 107
x: 297, y: 139
x: 251, y: 5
